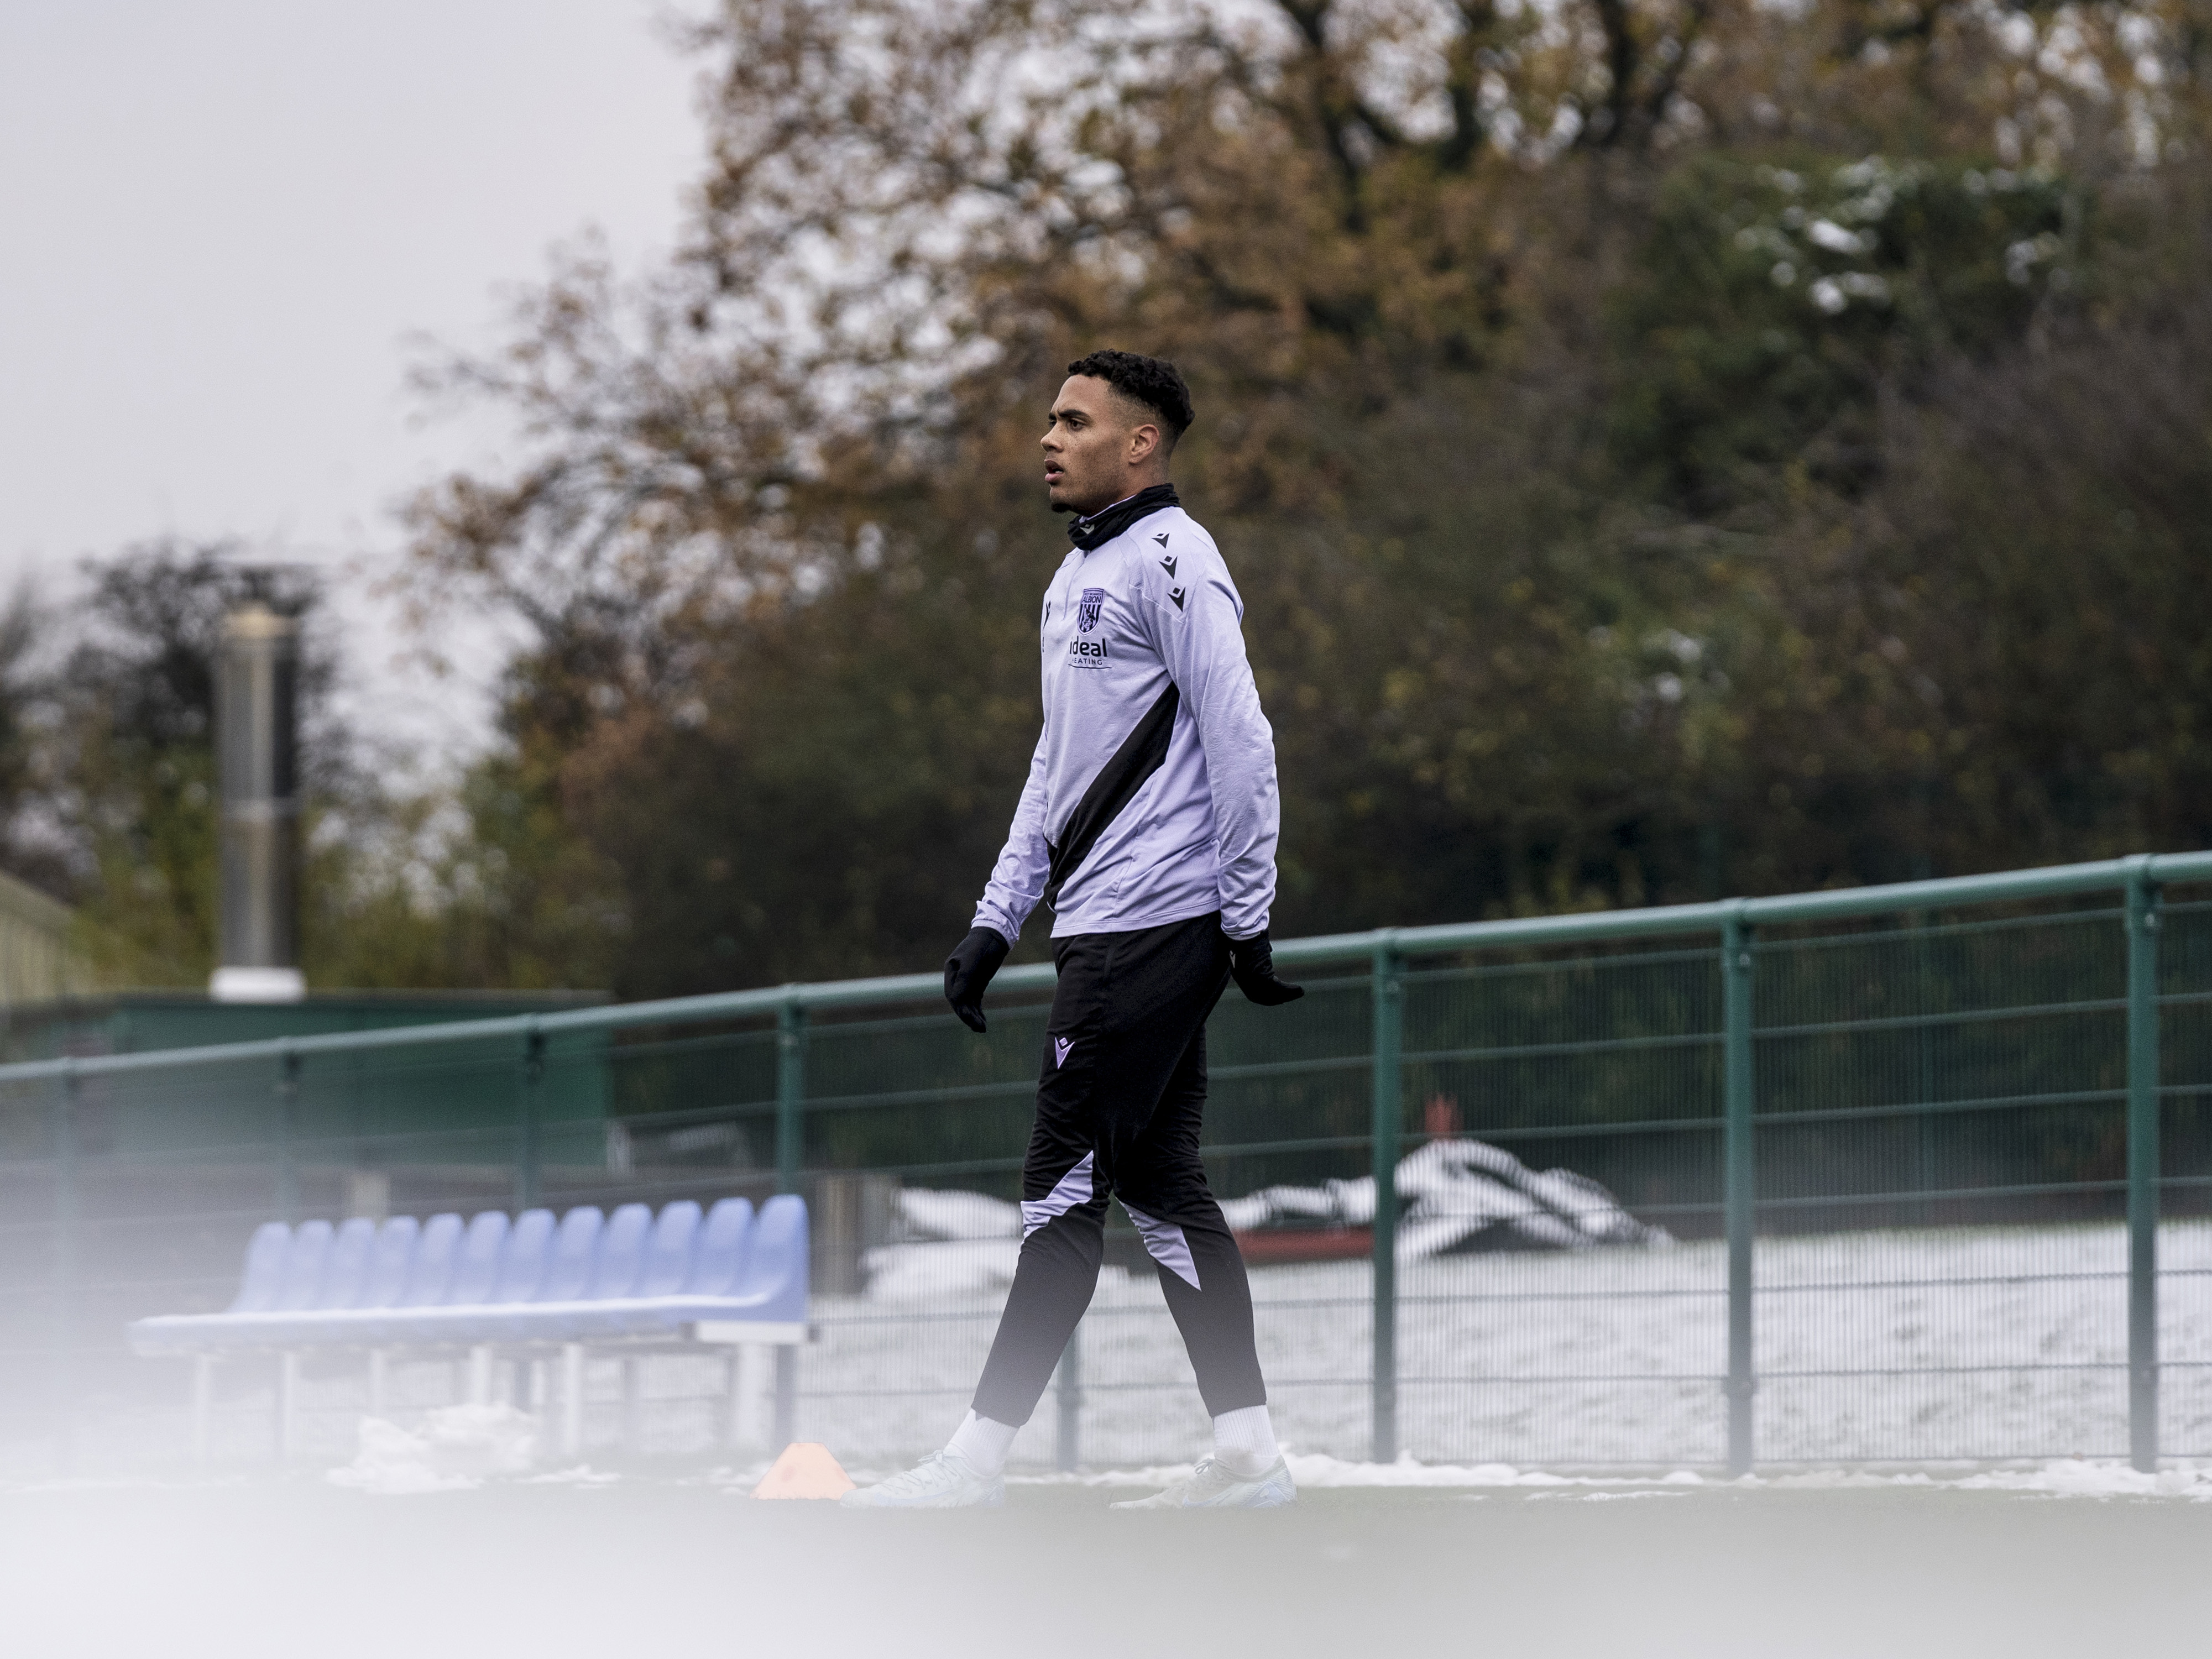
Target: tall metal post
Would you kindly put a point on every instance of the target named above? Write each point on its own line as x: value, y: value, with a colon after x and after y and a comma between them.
x: 1741, y: 1180
x: 529, y: 1152
x: 2142, y: 1167
x: 1388, y: 1106
x: 257, y: 717
x: 288, y: 1130
x: 65, y: 1270
x: 790, y: 1145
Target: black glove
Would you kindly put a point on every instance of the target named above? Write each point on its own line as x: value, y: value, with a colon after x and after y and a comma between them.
x: 968, y: 972
x: 1252, y: 965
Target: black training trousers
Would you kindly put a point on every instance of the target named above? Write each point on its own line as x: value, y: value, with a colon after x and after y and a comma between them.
x: 1117, y: 1116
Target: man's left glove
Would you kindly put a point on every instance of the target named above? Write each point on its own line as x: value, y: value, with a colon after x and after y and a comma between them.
x: 1252, y: 965
x: 967, y: 973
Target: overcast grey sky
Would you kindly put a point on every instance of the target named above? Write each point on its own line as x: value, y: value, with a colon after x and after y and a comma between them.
x: 220, y: 221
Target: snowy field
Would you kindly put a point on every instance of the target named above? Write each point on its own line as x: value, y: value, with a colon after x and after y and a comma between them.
x: 1942, y: 1344
x: 1905, y: 1346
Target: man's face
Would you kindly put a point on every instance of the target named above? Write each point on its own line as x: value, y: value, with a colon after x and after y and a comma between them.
x: 1093, y: 446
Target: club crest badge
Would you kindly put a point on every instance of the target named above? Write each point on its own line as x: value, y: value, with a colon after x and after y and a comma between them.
x: 1088, y: 607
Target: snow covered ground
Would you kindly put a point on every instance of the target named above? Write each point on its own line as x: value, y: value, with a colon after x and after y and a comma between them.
x: 1909, y: 1346
x: 466, y: 1448
x: 1905, y: 1345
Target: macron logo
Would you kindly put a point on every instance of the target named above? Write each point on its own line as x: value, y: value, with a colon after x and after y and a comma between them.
x: 1059, y: 1047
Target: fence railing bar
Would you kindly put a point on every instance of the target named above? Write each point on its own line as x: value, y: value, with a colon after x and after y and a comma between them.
x: 1959, y: 1017
x: 1135, y: 1385
x: 1808, y: 943
x: 641, y: 1049
x: 2104, y: 875
x: 944, y: 1392
x: 933, y: 1017
x: 1549, y: 966
x: 1794, y: 1286
x: 250, y: 1152
x: 1709, y: 1294
x: 2007, y: 1368
x: 1939, y: 1108
x: 266, y: 1149
x: 1946, y: 1194
x: 1251, y: 1069
x: 1633, y: 1126
x: 1534, y: 1379
x: 594, y: 1182
x: 1002, y: 1166
x: 1964, y: 1461
x: 685, y: 1117
x: 933, y: 1096
x: 1553, y: 1050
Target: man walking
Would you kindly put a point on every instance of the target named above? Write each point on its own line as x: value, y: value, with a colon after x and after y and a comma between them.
x: 1148, y: 828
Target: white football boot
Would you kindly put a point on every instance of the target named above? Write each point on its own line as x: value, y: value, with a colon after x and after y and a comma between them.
x: 1212, y: 1486
x: 942, y: 1480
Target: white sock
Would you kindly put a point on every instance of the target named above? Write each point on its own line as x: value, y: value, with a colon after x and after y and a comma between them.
x: 982, y: 1443
x: 1244, y: 1441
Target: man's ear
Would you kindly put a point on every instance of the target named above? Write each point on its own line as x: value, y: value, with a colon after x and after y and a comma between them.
x: 1144, y: 442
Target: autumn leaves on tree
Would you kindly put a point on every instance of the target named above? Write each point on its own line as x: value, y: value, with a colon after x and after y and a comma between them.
x: 1667, y: 448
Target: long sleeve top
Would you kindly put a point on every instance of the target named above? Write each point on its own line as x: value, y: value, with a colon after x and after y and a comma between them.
x: 1151, y: 795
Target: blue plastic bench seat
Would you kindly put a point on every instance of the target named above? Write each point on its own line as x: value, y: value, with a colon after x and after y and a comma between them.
x: 727, y: 1276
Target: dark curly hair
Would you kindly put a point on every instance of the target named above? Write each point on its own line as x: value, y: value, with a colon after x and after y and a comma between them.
x: 1151, y: 381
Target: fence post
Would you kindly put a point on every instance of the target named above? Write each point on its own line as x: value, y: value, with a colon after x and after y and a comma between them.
x: 529, y: 1157
x: 790, y: 1093
x: 790, y: 1142
x: 2142, y: 1167
x: 1389, y: 990
x: 65, y: 1270
x: 1739, y: 1180
x: 287, y: 1124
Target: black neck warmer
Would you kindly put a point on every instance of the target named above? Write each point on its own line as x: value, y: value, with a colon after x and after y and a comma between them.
x: 1107, y: 523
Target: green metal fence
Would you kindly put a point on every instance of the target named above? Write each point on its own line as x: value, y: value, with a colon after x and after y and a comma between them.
x: 1933, y: 1163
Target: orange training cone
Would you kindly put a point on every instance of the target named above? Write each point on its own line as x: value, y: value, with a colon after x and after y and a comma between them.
x: 805, y: 1470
